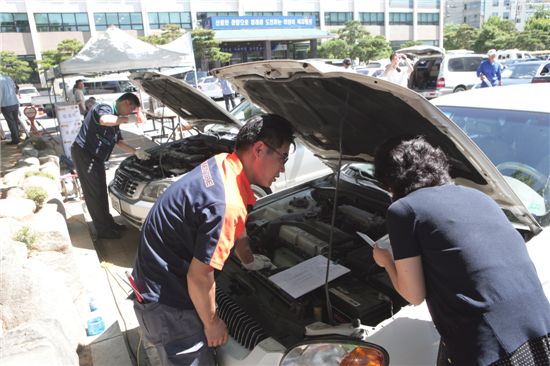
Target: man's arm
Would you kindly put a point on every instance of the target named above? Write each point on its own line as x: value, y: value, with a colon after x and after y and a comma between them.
x: 112, y: 120
x: 242, y: 249
x: 406, y: 275
x: 202, y: 290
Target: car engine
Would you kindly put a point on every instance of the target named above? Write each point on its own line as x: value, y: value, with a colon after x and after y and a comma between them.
x: 290, y: 228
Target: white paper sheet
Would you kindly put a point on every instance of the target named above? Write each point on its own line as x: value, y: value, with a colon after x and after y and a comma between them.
x: 307, y: 276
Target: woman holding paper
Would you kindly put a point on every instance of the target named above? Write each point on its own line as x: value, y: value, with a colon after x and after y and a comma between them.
x: 454, y: 247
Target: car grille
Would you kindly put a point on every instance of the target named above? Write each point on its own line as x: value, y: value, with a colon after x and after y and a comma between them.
x: 124, y: 184
x: 240, y: 325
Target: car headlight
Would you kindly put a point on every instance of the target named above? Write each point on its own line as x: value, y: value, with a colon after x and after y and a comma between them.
x: 336, y: 352
x: 154, y: 189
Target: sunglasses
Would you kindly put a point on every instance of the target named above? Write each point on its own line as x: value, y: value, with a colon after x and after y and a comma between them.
x: 283, y: 157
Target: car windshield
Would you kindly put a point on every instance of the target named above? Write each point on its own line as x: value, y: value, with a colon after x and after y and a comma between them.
x: 518, y: 144
x: 27, y: 91
x: 523, y: 71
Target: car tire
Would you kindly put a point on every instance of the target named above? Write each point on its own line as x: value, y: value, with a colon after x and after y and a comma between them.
x: 459, y: 89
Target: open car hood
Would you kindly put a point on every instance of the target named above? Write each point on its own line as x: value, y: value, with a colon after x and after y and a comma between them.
x: 337, y: 112
x: 187, y: 102
x: 422, y: 50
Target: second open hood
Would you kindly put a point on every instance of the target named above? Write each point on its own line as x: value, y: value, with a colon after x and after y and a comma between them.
x: 349, y: 115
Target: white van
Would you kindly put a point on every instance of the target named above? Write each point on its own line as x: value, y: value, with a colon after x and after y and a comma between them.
x: 437, y: 73
x: 108, y: 88
x: 513, y: 54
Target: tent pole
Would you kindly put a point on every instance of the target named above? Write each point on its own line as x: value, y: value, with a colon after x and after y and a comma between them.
x: 64, y: 88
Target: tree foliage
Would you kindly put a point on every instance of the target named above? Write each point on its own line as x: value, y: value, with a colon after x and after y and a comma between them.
x: 497, y: 34
x: 10, y: 65
x: 64, y: 51
x: 459, y: 36
x: 355, y: 41
x: 169, y: 33
x: 206, y: 47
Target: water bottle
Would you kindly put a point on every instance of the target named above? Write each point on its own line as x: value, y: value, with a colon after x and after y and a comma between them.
x: 95, y: 322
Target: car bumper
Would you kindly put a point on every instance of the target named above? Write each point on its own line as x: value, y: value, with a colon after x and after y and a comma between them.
x: 134, y: 211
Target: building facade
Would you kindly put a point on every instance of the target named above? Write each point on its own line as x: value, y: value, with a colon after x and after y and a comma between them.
x: 29, y: 27
x: 476, y: 12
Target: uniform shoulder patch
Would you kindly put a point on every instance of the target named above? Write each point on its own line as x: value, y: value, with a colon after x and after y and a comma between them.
x: 206, y: 176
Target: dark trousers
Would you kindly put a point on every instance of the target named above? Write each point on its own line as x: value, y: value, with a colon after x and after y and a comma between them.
x: 229, y: 98
x: 177, y: 334
x: 11, y: 114
x: 91, y: 174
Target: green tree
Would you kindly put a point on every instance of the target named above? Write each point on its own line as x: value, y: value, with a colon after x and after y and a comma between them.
x: 355, y: 41
x: 459, y: 36
x: 169, y: 33
x: 334, y: 48
x: 411, y: 43
x: 372, y: 48
x: 10, y: 65
x: 64, y: 51
x: 536, y: 35
x: 496, y: 33
x: 206, y: 48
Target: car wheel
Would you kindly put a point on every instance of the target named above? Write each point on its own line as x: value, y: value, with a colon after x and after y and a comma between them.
x: 260, y: 192
x: 459, y: 89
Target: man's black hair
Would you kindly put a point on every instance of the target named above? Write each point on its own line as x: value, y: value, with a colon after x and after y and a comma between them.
x: 393, y: 54
x: 130, y: 97
x: 270, y: 128
x: 406, y: 164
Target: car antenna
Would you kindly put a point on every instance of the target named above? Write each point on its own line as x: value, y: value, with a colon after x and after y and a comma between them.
x: 335, y: 206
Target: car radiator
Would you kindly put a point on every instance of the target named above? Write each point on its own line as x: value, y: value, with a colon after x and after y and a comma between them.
x: 245, y: 330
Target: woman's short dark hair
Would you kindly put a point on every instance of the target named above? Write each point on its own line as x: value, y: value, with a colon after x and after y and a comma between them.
x: 406, y: 164
x: 271, y: 128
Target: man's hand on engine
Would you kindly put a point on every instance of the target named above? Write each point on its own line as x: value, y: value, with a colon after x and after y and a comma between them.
x: 259, y: 262
x: 142, y: 154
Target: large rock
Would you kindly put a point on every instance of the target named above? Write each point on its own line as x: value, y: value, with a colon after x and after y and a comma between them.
x: 9, y: 227
x: 15, y: 192
x: 42, y: 342
x: 51, y: 168
x: 32, y: 291
x: 49, y: 158
x: 52, y: 187
x: 29, y: 150
x: 29, y: 161
x: 46, y: 152
x: 17, y: 208
x: 16, y: 177
x: 51, y: 229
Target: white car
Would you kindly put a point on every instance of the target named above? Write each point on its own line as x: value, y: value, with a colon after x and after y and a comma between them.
x: 26, y: 93
x: 137, y: 184
x: 211, y: 87
x: 343, y: 117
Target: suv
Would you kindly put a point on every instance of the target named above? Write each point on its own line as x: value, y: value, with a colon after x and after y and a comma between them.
x: 438, y: 73
x: 109, y: 88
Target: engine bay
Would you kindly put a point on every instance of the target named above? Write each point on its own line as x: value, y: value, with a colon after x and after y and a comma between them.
x: 290, y: 228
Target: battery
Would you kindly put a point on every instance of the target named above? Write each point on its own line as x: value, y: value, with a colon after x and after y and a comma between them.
x: 355, y: 299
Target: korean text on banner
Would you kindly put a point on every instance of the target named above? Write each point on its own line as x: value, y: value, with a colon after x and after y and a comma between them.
x: 70, y: 121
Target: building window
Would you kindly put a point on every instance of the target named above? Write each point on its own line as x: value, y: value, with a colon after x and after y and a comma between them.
x: 401, y: 18
x: 506, y: 15
x: 307, y: 14
x: 428, y: 18
x: 14, y: 22
x: 401, y: 4
x: 428, y: 4
x: 371, y: 18
x: 121, y: 20
x: 495, y: 2
x: 62, y: 22
x: 182, y: 20
x: 263, y: 13
x: 338, y: 18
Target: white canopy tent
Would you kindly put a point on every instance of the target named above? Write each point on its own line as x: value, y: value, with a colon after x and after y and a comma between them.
x: 114, y: 51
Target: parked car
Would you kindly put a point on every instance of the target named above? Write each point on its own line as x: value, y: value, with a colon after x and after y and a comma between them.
x: 512, y: 54
x: 137, y: 184
x: 523, y: 72
x: 211, y: 87
x: 26, y: 93
x: 437, y: 73
x: 343, y: 117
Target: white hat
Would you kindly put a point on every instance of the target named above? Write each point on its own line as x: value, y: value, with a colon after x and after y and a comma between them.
x: 491, y: 52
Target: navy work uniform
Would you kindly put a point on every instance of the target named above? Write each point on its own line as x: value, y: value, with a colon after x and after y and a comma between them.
x: 199, y: 216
